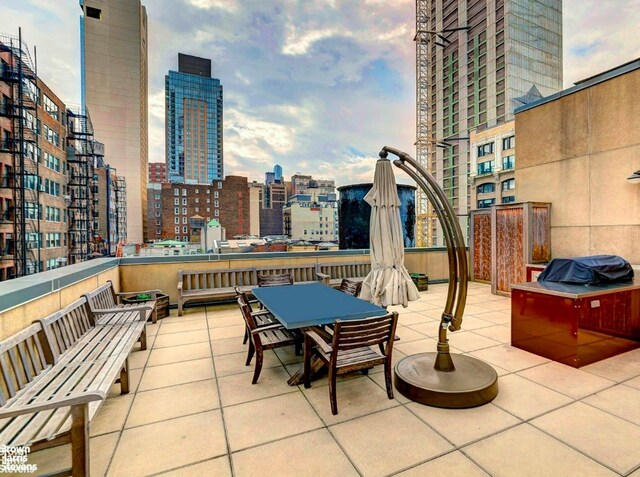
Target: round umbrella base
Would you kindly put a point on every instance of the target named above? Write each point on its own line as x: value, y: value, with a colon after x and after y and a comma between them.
x: 473, y: 383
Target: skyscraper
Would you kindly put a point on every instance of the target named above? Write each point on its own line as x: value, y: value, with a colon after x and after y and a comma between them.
x: 491, y: 56
x: 277, y: 172
x: 193, y: 115
x: 114, y: 89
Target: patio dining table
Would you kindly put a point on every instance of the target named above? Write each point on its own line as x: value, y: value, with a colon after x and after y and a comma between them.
x: 312, y: 305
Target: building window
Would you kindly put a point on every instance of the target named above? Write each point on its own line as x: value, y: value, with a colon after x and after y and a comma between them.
x: 197, y: 191
x: 485, y: 167
x: 176, y: 211
x: 220, y: 185
x: 508, y: 199
x: 216, y: 194
x: 185, y: 229
x: 176, y: 201
x: 208, y: 200
x: 485, y: 203
x: 509, y: 142
x: 157, y: 214
x: 485, y: 149
x: 158, y: 231
x: 197, y: 200
x: 208, y: 209
x: 509, y: 184
x: 508, y: 162
x: 216, y: 203
x: 184, y: 192
x: 157, y: 205
x: 177, y: 230
x: 176, y: 220
x: 486, y: 188
x: 184, y: 220
x: 177, y: 237
x: 176, y: 191
x: 158, y: 197
x: 197, y: 209
x: 49, y: 106
x: 184, y: 201
x: 92, y: 12
x: 184, y: 211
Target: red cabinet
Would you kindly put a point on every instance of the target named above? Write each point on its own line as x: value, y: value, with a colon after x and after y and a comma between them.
x: 575, y: 324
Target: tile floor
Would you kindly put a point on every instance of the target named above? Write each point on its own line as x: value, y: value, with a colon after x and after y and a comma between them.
x: 194, y: 410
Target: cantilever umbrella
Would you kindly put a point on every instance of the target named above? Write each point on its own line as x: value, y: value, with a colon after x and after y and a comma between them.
x: 388, y: 283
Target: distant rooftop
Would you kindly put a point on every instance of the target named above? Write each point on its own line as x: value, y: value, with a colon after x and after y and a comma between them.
x: 585, y: 83
x: 194, y: 65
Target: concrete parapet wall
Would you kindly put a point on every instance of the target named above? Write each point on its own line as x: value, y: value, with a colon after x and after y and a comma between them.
x: 24, y: 300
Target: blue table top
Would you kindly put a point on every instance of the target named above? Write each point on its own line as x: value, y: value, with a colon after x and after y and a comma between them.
x: 314, y: 304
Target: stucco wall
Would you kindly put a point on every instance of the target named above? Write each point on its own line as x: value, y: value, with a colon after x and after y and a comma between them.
x: 139, y: 274
x: 577, y: 152
x: 18, y: 317
x: 24, y: 300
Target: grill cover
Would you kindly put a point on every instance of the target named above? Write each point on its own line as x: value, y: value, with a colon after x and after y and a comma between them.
x: 590, y: 270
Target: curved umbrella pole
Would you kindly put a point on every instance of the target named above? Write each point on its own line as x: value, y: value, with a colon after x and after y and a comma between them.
x: 457, y: 289
x: 471, y: 382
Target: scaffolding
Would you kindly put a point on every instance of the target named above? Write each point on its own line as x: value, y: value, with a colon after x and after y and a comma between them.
x: 121, y: 209
x: 427, y: 38
x: 18, y: 71
x: 83, y: 153
x: 425, y: 139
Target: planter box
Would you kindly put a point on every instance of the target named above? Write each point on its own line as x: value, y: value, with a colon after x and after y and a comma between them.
x: 162, y: 304
x: 421, y: 280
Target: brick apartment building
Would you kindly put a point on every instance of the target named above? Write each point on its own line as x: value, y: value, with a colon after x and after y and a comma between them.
x: 157, y: 172
x: 33, y: 228
x: 171, y: 206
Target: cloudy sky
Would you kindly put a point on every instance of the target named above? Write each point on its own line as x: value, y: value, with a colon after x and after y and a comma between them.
x: 317, y: 86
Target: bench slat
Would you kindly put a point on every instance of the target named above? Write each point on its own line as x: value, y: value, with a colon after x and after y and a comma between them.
x: 77, y: 377
x: 61, y: 383
x: 26, y: 361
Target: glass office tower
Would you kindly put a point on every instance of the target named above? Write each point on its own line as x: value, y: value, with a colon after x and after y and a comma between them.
x: 193, y: 112
x: 505, y: 53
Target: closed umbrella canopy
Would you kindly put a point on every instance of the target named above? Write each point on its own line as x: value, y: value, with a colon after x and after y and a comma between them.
x: 388, y: 283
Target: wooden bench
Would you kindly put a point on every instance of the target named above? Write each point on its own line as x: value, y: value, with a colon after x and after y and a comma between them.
x: 104, y: 299
x: 331, y: 274
x: 56, y: 373
x: 202, y: 284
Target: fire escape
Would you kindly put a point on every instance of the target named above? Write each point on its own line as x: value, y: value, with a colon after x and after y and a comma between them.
x: 82, y: 209
x: 18, y: 72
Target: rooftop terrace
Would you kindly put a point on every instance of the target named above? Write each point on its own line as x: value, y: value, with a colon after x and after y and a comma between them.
x: 195, y: 412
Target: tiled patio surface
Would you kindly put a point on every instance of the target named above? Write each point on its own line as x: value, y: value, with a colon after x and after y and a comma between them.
x: 195, y: 411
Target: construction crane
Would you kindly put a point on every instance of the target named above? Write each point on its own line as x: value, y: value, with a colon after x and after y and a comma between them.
x: 425, y: 149
x: 427, y: 36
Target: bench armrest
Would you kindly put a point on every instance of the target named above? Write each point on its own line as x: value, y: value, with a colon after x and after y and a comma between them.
x: 317, y: 339
x: 180, y: 286
x: 323, y: 277
x: 83, y: 398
